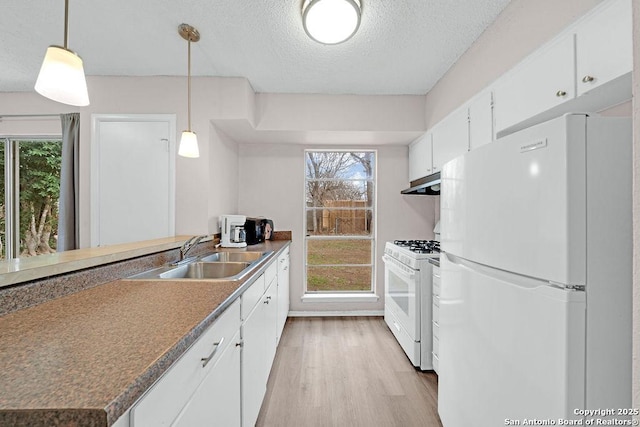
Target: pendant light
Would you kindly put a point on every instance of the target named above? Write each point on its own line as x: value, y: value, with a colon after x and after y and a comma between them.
x: 188, y: 142
x: 331, y: 21
x: 61, y: 76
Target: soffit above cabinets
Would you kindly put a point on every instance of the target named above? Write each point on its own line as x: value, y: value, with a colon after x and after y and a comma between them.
x: 401, y: 47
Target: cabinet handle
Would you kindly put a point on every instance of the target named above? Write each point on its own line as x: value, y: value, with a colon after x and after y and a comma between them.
x: 217, y: 345
x: 239, y: 344
x: 588, y: 79
x: 561, y: 93
x: 267, y: 300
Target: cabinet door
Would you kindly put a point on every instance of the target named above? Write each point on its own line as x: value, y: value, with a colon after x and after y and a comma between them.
x: 271, y: 325
x: 541, y: 82
x: 480, y: 121
x: 604, y: 46
x: 420, y: 158
x: 254, y: 377
x: 216, y: 402
x: 283, y: 292
x: 450, y: 138
x: 162, y: 403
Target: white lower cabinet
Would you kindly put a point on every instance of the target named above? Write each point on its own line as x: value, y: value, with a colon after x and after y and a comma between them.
x: 258, y: 337
x: 435, y: 317
x: 217, y: 401
x: 221, y: 379
x: 283, y: 292
x: 180, y: 386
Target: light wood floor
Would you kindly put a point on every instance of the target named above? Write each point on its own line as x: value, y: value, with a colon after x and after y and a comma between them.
x: 346, y: 372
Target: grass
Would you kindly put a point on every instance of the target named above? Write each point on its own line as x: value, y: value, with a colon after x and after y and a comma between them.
x: 323, y: 277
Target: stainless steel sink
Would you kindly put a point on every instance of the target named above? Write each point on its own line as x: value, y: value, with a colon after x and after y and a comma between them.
x: 223, y: 265
x: 206, y: 270
x: 224, y: 256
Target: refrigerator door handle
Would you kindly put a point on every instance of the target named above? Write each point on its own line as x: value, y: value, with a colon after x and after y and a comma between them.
x: 514, y: 279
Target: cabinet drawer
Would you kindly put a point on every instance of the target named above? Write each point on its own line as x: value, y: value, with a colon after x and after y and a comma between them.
x: 283, y: 262
x: 436, y: 363
x: 436, y: 346
x: 166, y: 398
x: 270, y: 274
x: 436, y: 328
x: 435, y: 312
x: 435, y: 286
x: 251, y: 296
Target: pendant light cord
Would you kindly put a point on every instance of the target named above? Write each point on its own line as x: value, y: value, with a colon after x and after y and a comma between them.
x: 188, y: 85
x: 66, y: 22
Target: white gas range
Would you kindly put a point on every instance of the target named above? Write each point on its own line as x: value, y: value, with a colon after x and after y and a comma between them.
x: 408, y: 296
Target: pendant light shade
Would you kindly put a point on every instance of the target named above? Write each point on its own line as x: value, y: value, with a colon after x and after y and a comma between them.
x: 331, y: 21
x: 61, y: 76
x: 188, y: 145
x: 188, y: 141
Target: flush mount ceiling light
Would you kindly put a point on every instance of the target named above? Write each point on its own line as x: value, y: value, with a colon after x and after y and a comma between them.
x: 188, y: 142
x: 331, y: 21
x: 61, y: 76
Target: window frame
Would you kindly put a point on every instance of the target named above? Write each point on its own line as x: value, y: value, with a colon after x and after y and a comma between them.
x: 11, y: 173
x: 346, y: 295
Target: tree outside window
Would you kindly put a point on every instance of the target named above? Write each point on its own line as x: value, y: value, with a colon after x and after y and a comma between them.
x: 30, y: 181
x: 340, y: 191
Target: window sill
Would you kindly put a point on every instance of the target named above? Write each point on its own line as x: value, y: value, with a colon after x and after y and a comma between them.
x: 339, y: 297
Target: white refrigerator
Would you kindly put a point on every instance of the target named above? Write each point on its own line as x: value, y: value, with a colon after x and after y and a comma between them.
x: 535, y: 304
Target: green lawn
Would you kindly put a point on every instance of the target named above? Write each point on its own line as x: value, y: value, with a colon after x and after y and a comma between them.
x: 336, y: 278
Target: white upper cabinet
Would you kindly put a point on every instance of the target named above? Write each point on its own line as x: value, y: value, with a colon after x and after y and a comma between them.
x: 594, y: 53
x: 480, y: 120
x: 420, y: 158
x: 604, y: 46
x: 450, y: 138
x: 541, y: 82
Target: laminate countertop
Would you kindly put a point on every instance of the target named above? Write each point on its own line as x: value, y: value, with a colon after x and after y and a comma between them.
x: 84, y: 359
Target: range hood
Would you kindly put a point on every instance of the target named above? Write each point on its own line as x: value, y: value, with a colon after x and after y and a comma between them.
x: 426, y: 186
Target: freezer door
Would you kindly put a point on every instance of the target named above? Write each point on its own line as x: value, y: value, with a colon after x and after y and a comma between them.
x: 511, y: 347
x: 518, y: 204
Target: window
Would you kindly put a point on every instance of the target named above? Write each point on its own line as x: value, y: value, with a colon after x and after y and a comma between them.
x: 29, y: 193
x: 339, y: 221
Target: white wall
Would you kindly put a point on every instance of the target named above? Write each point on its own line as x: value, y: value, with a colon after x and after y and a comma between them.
x: 272, y: 183
x: 202, y: 192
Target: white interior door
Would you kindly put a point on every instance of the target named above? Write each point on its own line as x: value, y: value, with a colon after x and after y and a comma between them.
x: 133, y: 178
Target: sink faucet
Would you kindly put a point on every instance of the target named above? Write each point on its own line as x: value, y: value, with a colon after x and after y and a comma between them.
x: 188, y: 245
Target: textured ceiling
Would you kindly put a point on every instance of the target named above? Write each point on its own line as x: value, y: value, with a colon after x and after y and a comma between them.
x: 402, y: 46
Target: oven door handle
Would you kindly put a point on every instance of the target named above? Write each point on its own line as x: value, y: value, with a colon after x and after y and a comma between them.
x: 392, y: 264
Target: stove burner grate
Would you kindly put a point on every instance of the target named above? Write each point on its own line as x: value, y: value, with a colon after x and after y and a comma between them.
x: 419, y: 246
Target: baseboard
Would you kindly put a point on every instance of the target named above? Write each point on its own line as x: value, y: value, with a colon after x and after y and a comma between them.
x: 336, y: 313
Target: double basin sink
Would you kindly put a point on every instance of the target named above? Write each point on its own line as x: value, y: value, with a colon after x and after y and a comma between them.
x: 221, y: 265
